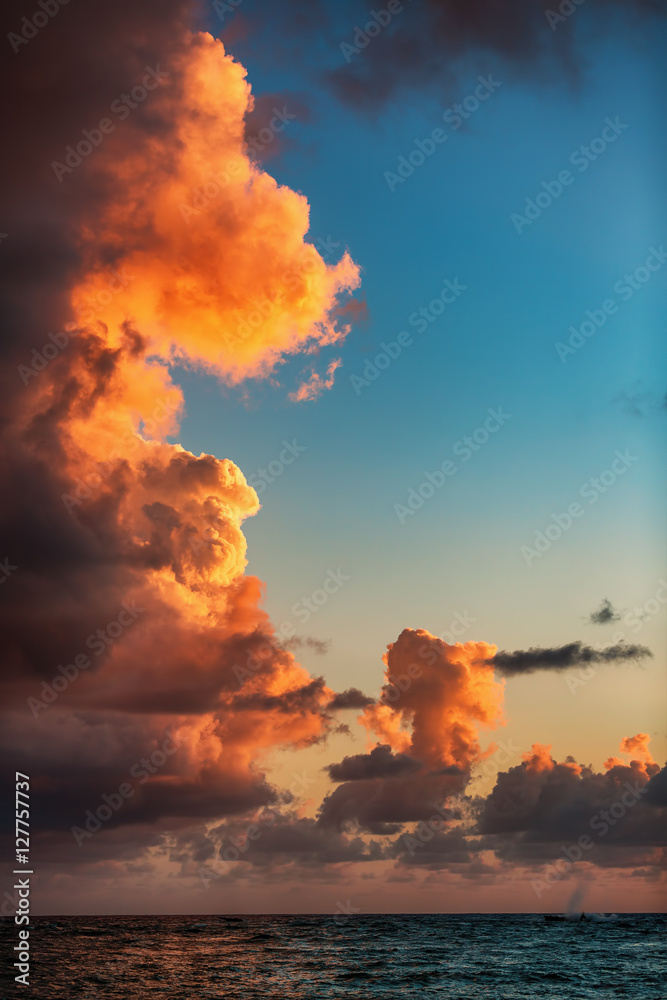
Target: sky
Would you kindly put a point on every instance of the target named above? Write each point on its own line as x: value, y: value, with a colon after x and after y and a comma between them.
x: 446, y: 428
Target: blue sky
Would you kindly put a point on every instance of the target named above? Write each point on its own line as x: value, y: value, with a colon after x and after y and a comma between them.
x: 493, y: 347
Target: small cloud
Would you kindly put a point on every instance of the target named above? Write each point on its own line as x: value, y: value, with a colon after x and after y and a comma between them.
x: 604, y: 615
x: 351, y: 698
x: 316, y: 384
x: 319, y: 646
x: 641, y: 402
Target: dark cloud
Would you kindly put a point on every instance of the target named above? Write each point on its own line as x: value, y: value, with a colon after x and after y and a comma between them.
x: 540, y: 805
x: 308, y: 697
x: 75, y: 759
x: 641, y: 402
x: 605, y: 614
x: 270, y: 124
x: 379, y: 763
x: 272, y: 840
x: 434, y: 849
x: 656, y: 789
x: 434, y: 45
x: 574, y: 654
x: 148, y: 510
x: 319, y: 646
x: 63, y: 81
x: 71, y: 578
x: 383, y: 805
x: 304, y: 841
x: 350, y: 698
x: 532, y: 811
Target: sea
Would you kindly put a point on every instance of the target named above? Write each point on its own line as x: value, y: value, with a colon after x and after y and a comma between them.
x: 360, y: 956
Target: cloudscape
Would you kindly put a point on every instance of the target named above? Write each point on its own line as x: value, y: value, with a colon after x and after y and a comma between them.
x: 333, y: 570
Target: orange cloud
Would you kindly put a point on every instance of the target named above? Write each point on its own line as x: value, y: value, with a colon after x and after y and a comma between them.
x: 636, y: 747
x: 219, y: 272
x: 539, y: 759
x: 316, y: 384
x: 436, y: 698
x: 215, y: 272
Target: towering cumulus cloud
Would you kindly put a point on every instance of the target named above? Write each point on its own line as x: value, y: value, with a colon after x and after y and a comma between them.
x: 442, y: 694
x: 435, y: 699
x: 142, y: 236
x: 219, y: 273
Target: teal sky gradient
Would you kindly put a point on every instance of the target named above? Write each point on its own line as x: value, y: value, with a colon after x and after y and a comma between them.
x: 493, y: 347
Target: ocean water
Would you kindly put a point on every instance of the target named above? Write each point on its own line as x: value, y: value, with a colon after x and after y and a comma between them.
x: 500, y: 957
